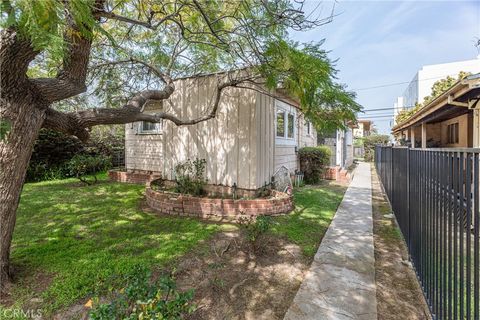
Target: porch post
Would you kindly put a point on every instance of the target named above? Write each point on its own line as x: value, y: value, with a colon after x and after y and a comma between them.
x: 424, y: 135
x: 476, y: 128
x: 412, y: 136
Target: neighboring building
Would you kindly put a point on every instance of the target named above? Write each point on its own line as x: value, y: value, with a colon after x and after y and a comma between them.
x: 251, y: 137
x: 422, y: 82
x: 450, y: 120
x: 363, y: 128
x: 341, y: 146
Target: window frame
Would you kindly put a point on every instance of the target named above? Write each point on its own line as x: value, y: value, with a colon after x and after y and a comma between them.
x: 287, y: 110
x: 158, y: 128
x: 308, y: 124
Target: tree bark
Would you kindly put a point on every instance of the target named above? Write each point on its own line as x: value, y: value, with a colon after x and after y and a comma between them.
x: 15, y: 152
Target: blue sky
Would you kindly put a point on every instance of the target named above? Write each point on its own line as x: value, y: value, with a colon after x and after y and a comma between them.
x: 384, y: 42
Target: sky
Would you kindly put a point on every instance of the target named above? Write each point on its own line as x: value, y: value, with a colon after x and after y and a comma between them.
x: 379, y: 43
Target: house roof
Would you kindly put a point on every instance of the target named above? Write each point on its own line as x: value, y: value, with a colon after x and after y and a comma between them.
x: 457, y: 100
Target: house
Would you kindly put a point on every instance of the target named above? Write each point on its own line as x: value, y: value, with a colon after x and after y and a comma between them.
x: 362, y: 129
x: 252, y: 136
x: 422, y: 82
x: 341, y: 145
x: 450, y: 120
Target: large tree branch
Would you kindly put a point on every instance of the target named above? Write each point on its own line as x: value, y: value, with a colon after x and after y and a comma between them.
x: 15, y: 55
x: 77, y: 123
x: 70, y: 80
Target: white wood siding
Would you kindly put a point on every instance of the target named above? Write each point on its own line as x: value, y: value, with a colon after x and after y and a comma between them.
x: 239, y: 144
x: 228, y: 142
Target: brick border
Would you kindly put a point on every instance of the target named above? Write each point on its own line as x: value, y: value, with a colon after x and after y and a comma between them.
x: 137, y: 177
x: 217, y: 209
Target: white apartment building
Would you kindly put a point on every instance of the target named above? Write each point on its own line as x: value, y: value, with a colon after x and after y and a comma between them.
x: 422, y: 82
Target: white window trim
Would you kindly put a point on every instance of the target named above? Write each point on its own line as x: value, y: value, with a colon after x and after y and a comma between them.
x: 287, y: 109
x: 158, y: 129
x: 309, y: 129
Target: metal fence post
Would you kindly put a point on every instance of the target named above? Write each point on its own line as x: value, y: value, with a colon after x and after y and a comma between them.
x: 408, y: 198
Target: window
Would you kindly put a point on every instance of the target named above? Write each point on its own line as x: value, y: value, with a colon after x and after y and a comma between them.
x: 452, y: 133
x: 308, y: 126
x: 146, y: 127
x: 285, y: 124
x: 291, y: 125
x: 280, y: 123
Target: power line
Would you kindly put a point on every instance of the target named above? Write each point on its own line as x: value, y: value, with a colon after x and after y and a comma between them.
x: 403, y: 82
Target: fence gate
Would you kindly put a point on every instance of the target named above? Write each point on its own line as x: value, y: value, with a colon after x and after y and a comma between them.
x: 434, y: 194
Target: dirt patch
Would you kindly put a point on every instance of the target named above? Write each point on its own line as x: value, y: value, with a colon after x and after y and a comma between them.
x: 399, y: 295
x: 233, y: 281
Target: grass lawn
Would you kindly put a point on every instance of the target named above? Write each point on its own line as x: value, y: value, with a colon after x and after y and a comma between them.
x: 73, y: 242
x: 315, y: 207
x: 77, y: 240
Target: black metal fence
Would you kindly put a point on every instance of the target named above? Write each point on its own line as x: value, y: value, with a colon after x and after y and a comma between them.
x: 434, y: 194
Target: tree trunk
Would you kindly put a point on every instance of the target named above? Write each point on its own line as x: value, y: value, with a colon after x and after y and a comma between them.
x: 15, y: 151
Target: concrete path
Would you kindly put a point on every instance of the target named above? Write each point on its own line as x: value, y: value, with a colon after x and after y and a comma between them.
x: 341, y: 281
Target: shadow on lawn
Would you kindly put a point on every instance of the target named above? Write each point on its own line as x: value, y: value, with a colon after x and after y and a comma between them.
x: 75, y: 241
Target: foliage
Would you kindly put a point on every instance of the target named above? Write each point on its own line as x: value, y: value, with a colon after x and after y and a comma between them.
x: 313, y: 162
x: 82, y: 165
x: 315, y: 207
x: 190, y: 177
x: 369, y: 143
x: 220, y: 35
x: 141, y: 299
x: 255, y: 228
x: 306, y: 73
x: 86, y: 240
x: 53, y: 151
x: 438, y: 88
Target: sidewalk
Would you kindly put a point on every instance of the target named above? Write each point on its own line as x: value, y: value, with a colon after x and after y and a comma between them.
x: 341, y: 281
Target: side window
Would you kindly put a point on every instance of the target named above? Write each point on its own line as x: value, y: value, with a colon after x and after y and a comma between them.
x: 291, y: 125
x: 280, y: 123
x: 146, y: 127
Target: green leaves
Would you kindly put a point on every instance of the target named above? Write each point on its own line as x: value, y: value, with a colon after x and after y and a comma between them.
x: 44, y: 22
x: 307, y: 73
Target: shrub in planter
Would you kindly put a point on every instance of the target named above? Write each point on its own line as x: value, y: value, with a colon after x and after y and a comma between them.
x: 82, y: 165
x: 190, y: 177
x: 313, y: 162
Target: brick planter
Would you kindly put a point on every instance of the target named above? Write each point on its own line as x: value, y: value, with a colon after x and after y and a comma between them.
x: 138, y: 177
x: 217, y: 209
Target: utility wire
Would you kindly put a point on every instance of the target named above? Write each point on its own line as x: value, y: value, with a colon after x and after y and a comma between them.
x: 403, y: 82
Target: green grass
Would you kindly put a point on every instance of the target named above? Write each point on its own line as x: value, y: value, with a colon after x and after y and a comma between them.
x: 73, y: 242
x: 84, y: 239
x: 315, y: 207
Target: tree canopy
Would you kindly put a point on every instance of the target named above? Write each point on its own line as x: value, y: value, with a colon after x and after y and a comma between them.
x: 143, y: 45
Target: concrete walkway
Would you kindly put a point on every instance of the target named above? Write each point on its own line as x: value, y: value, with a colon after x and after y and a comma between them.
x: 341, y: 281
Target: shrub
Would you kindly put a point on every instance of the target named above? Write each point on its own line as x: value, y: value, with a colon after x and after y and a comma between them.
x: 82, y: 165
x: 255, y: 228
x: 190, y: 177
x: 141, y: 299
x: 369, y: 143
x: 313, y: 162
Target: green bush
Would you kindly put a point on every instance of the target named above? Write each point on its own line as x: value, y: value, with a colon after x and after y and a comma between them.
x: 255, y: 228
x: 369, y: 143
x: 141, y: 299
x: 82, y: 165
x: 190, y: 177
x: 53, y: 151
x: 313, y: 162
